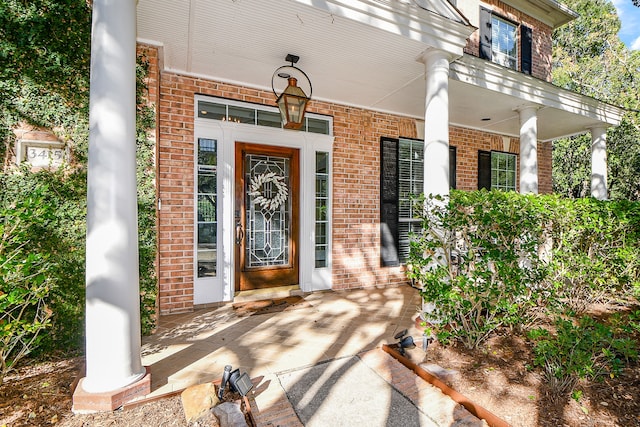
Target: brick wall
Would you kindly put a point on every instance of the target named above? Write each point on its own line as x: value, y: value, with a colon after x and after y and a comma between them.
x: 469, y: 141
x: 356, y: 180
x: 541, y: 49
x: 545, y: 180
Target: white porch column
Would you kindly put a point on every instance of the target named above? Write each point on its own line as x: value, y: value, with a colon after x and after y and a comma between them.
x: 528, y: 149
x: 436, y: 117
x: 599, y: 188
x: 436, y: 138
x: 113, y: 310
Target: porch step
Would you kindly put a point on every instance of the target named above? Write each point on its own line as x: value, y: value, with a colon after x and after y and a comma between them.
x: 269, y: 293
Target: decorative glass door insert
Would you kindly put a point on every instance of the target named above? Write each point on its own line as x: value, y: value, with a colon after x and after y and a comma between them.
x: 266, y: 216
x: 268, y: 210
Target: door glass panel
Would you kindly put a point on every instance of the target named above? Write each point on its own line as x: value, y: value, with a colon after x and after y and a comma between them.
x: 322, y: 206
x: 268, y: 210
x: 206, y: 208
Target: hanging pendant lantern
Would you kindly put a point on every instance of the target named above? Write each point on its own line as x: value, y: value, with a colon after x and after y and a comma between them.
x: 292, y: 102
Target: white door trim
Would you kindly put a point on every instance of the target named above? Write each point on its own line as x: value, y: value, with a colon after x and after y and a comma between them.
x: 221, y: 287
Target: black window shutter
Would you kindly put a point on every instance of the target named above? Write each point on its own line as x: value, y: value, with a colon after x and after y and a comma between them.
x: 484, y: 170
x: 452, y: 167
x: 526, y: 35
x: 485, y: 33
x: 389, y: 202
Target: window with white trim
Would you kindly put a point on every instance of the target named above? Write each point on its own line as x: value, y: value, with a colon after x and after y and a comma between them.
x: 497, y: 170
x: 227, y: 110
x: 504, y: 43
x: 410, y: 183
x: 401, y: 177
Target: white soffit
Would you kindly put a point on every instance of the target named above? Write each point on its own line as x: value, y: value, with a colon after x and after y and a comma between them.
x: 244, y: 41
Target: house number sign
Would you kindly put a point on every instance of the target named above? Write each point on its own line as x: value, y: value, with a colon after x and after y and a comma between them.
x: 42, y: 154
x: 45, y: 156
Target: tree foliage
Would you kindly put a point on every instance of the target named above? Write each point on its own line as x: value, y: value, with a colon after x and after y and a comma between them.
x: 44, y: 76
x: 589, y: 58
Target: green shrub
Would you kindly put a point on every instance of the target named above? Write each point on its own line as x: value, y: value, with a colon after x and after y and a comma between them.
x: 586, y: 349
x: 60, y: 239
x: 25, y: 285
x: 595, y: 251
x: 146, y: 185
x: 477, y: 262
x: 491, y: 259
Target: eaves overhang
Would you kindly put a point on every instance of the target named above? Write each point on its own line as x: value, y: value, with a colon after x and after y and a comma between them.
x: 496, y: 93
x: 551, y: 12
x: 359, y: 53
x: 435, y: 23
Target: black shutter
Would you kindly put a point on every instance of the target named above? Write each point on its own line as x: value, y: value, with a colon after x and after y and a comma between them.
x: 484, y: 170
x: 389, y: 202
x: 526, y: 37
x: 452, y: 167
x: 485, y: 33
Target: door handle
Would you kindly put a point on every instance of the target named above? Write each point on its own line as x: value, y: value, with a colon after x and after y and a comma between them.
x: 239, y: 233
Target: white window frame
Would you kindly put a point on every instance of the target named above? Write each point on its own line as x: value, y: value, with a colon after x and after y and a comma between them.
x: 415, y: 178
x: 497, y: 171
x: 499, y: 55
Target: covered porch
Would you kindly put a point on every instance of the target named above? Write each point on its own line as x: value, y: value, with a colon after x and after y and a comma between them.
x: 405, y: 59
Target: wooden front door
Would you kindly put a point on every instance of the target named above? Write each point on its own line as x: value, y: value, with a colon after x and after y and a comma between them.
x: 266, y: 216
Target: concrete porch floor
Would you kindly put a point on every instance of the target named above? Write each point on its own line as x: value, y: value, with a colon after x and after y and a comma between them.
x: 193, y: 348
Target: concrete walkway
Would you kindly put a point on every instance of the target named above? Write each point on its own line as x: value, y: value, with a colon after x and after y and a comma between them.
x: 296, y: 351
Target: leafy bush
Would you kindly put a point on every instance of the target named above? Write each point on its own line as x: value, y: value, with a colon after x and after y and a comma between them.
x: 491, y: 259
x: 59, y: 239
x: 588, y: 349
x: 24, y: 285
x: 477, y: 261
x: 146, y: 185
x: 595, y: 250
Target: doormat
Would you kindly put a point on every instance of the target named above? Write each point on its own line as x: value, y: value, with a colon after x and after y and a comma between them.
x: 269, y: 306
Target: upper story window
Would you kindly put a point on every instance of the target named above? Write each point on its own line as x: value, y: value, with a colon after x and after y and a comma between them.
x: 505, y: 42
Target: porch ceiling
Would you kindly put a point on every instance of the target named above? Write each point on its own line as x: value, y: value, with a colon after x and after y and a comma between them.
x: 352, y: 55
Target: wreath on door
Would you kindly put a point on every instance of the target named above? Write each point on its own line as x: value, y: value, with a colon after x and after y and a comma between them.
x: 260, y: 183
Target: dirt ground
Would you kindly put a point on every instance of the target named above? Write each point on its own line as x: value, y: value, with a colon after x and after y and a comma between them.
x: 495, y: 376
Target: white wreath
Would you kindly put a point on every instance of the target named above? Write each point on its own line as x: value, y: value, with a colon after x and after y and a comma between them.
x: 257, y: 190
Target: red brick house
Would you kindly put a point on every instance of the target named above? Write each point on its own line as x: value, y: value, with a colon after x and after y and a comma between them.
x: 408, y: 96
x: 366, y: 61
